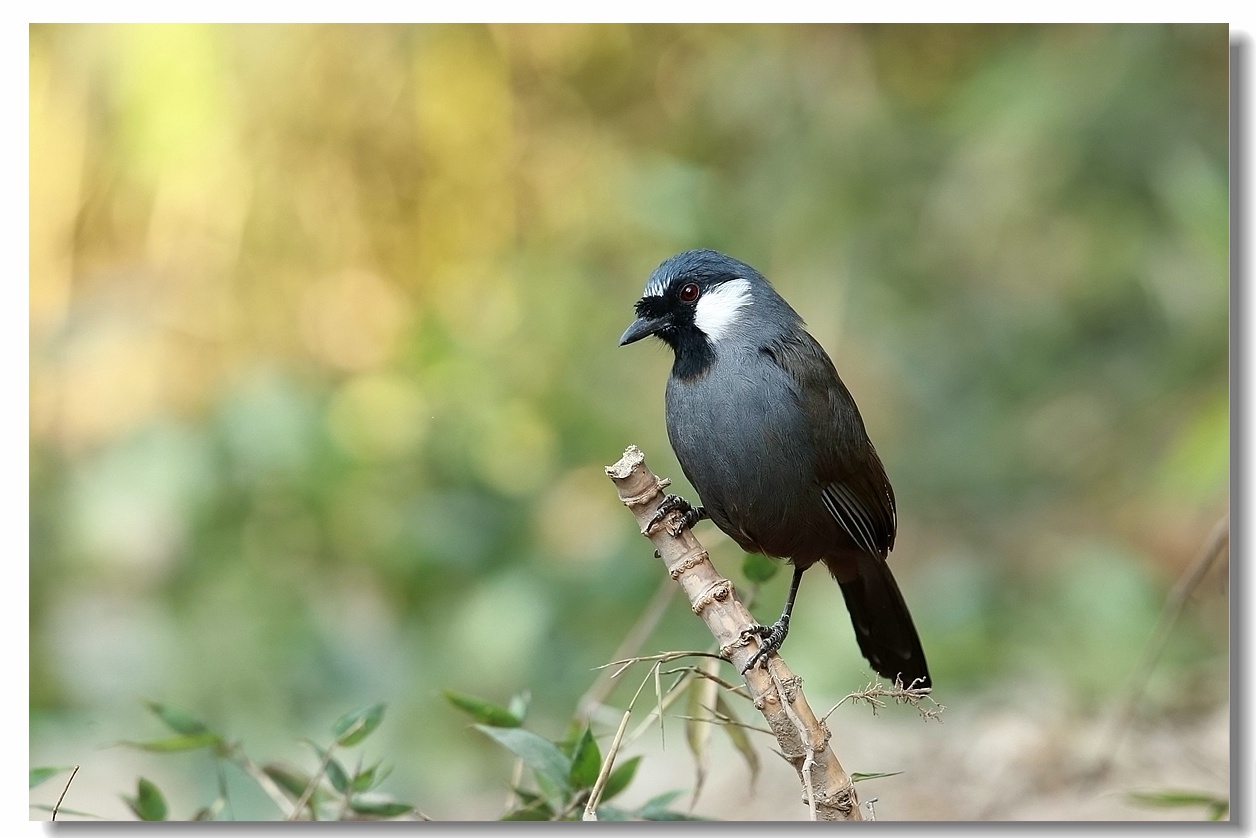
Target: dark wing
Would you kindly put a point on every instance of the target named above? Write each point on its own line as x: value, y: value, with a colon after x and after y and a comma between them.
x: 853, y: 485
x: 863, y: 504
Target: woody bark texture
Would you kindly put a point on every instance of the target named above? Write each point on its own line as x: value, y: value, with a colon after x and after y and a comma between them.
x: 777, y: 692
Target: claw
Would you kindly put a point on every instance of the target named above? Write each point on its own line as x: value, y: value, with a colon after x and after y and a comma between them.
x: 689, y: 514
x: 770, y: 640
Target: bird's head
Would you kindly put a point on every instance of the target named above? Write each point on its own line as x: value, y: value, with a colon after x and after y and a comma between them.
x: 698, y: 299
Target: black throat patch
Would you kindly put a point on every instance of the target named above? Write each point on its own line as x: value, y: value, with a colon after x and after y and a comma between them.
x: 693, y: 350
x: 694, y: 353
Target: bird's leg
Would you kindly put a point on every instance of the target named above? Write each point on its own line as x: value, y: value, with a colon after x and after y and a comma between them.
x: 771, y: 637
x: 689, y: 514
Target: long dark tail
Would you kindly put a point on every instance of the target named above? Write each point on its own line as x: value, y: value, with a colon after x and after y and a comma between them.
x: 887, y: 637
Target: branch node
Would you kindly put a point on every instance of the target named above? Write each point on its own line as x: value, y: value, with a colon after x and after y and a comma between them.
x: 648, y: 495
x: 844, y: 798
x: 825, y: 736
x: 687, y: 562
x: 718, y: 592
x: 790, y: 687
x: 726, y: 651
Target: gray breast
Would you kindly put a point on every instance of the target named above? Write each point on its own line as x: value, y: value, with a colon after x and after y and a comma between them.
x: 742, y: 442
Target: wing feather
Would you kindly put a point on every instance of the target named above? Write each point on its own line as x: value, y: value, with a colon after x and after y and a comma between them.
x: 853, y: 485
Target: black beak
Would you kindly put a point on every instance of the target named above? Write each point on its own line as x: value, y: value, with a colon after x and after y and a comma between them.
x: 642, y: 327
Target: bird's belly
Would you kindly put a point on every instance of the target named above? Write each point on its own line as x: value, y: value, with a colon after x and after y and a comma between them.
x: 745, y: 447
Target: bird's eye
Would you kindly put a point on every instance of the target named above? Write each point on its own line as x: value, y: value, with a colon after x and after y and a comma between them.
x: 689, y: 292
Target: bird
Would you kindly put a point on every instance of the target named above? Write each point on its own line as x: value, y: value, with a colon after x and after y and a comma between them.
x: 771, y: 439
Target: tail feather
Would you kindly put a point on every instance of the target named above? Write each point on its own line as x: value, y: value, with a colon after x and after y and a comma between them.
x: 883, y: 625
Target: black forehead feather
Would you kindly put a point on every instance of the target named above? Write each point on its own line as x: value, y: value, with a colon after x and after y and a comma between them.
x: 652, y: 306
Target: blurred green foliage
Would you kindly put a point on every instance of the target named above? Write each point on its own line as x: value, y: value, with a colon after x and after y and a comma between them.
x: 330, y: 792
x: 324, y: 367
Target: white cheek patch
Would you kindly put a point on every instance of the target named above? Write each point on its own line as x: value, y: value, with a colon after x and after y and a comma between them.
x: 719, y: 309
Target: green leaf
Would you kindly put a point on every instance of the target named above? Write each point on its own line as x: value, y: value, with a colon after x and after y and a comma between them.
x: 335, y: 771
x: 737, y: 735
x: 178, y: 719
x: 538, y: 753
x: 148, y: 804
x: 291, y: 780
x: 368, y: 778
x: 485, y: 711
x: 1176, y: 798
x: 294, y: 783
x: 47, y: 807
x: 571, y: 738
x: 658, y: 803
x: 40, y: 775
x: 621, y: 776
x: 757, y: 567
x: 536, y: 811
x: 336, y: 774
x: 702, y: 694
x: 353, y: 727
x: 655, y: 809
x: 587, y: 762
x: 614, y: 813
x: 553, y: 792
x: 186, y: 742
x: 383, y: 807
x: 858, y: 777
x: 526, y: 797
x: 669, y: 815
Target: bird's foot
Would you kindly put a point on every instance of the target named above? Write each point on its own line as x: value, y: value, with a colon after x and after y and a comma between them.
x: 689, y: 514
x: 770, y: 640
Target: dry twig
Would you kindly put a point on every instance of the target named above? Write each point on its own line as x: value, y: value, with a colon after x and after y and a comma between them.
x: 775, y: 689
x: 57, y: 808
x: 645, y: 624
x: 875, y: 693
x: 595, y: 794
x: 1214, y: 547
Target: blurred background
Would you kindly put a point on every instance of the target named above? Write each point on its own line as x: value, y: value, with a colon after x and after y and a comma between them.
x: 324, y: 374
